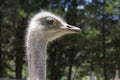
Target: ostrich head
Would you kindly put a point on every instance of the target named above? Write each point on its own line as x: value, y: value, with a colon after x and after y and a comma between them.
x: 49, y: 26
x: 43, y: 27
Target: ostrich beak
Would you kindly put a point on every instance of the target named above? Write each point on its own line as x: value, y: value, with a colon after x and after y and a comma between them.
x: 71, y: 28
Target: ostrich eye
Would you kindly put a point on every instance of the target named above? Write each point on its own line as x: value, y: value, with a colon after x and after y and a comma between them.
x: 49, y: 20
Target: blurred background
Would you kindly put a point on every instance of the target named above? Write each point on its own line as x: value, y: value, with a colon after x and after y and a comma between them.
x: 74, y: 57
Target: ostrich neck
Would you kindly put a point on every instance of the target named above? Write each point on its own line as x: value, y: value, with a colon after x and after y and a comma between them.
x: 36, y: 54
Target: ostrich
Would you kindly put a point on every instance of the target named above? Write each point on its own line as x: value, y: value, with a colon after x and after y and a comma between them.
x: 43, y: 28
x: 92, y: 76
x: 117, y: 75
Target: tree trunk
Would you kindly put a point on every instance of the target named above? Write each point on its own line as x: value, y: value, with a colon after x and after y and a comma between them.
x: 70, y: 63
x: 1, y: 53
x: 19, y: 64
x: 19, y: 57
x: 103, y: 44
x: 70, y: 72
x: 1, y: 64
x: 19, y: 48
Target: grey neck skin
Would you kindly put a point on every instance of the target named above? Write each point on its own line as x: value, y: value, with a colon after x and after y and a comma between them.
x: 36, y: 55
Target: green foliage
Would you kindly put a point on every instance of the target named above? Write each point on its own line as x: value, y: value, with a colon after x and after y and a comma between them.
x: 112, y: 7
x: 92, y: 33
x: 22, y: 13
x: 72, y: 57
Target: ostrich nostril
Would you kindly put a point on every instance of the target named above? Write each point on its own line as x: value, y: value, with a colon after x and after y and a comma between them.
x: 68, y: 26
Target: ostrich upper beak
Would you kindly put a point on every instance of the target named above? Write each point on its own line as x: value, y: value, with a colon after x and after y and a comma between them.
x: 71, y: 28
